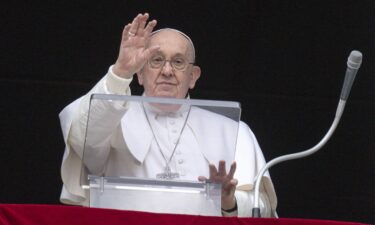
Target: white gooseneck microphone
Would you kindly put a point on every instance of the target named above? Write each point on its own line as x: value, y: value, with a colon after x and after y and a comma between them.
x: 354, y: 62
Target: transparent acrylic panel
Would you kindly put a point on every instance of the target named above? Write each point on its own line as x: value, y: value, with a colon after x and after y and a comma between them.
x: 164, y: 139
x: 158, y: 196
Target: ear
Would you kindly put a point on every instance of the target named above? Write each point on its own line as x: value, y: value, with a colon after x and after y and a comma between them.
x: 194, y: 76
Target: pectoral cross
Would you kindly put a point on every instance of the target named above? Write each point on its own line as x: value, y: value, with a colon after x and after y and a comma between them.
x: 167, y: 175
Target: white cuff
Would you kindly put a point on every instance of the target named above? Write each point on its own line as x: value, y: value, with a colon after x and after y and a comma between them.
x: 115, y: 84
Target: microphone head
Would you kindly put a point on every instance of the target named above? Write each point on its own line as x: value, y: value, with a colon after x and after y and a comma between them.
x: 354, y: 59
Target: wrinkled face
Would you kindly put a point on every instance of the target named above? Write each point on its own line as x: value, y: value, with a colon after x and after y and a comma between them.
x: 168, y: 81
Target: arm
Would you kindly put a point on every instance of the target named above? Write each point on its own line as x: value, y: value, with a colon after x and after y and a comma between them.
x: 107, y: 115
x: 228, y: 200
x: 237, y: 184
x: 103, y: 120
x: 245, y: 201
x: 250, y: 161
x: 133, y: 53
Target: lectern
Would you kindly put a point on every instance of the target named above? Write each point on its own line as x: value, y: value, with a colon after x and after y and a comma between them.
x: 167, y: 190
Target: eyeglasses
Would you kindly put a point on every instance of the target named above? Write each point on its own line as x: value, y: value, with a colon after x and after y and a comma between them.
x: 178, y: 63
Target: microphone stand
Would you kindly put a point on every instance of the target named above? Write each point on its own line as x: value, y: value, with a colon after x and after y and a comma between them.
x: 354, y: 62
x: 339, y: 111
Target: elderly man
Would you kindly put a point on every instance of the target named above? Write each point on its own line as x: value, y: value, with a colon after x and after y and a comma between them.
x: 164, y: 63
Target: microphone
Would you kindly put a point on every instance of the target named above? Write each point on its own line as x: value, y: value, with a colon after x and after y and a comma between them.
x: 353, y: 64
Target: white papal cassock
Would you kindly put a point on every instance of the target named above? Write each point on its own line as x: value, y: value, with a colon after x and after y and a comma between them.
x: 126, y: 145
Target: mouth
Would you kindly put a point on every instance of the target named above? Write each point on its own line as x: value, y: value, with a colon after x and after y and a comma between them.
x: 166, y: 83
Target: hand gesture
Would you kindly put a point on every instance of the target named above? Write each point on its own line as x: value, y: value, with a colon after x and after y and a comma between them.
x: 227, y: 181
x: 134, y: 52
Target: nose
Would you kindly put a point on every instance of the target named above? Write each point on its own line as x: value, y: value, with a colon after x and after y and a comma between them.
x: 167, y: 68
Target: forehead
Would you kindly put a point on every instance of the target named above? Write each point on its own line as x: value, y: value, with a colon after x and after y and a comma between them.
x: 171, y: 43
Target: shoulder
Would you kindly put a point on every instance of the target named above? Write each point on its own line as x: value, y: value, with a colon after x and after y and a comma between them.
x: 244, y: 130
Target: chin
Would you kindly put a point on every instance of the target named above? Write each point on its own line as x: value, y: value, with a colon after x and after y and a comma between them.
x: 166, y: 94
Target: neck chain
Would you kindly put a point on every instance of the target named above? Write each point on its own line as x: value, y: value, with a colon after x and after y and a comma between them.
x: 167, y: 174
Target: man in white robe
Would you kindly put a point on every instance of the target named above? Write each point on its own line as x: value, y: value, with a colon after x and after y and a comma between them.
x: 164, y: 63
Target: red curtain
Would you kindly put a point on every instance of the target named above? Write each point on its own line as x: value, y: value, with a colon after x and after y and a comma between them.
x: 19, y: 214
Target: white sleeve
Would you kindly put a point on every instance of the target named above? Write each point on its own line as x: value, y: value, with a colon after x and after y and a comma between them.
x: 245, y: 203
x: 74, y: 122
x: 250, y: 161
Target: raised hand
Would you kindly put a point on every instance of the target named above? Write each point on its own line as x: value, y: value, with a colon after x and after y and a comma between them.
x: 227, y: 181
x: 134, y: 52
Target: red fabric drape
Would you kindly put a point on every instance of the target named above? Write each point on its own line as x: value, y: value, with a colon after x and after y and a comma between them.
x: 27, y: 214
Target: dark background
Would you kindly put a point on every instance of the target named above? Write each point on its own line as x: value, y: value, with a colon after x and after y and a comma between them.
x: 283, y: 60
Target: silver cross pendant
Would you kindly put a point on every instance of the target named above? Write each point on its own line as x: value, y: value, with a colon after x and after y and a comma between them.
x: 167, y: 175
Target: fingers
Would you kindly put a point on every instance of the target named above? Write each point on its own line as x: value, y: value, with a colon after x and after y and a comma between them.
x: 230, y: 187
x: 125, y: 32
x: 232, y: 184
x: 150, y: 51
x: 142, y: 21
x: 150, y: 27
x: 134, y: 25
x: 139, y: 27
x: 222, y: 170
x: 213, y: 171
x: 232, y: 170
x: 141, y: 24
x: 202, y: 178
x: 220, y: 175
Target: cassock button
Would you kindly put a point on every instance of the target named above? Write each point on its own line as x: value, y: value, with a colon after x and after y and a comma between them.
x: 180, y: 161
